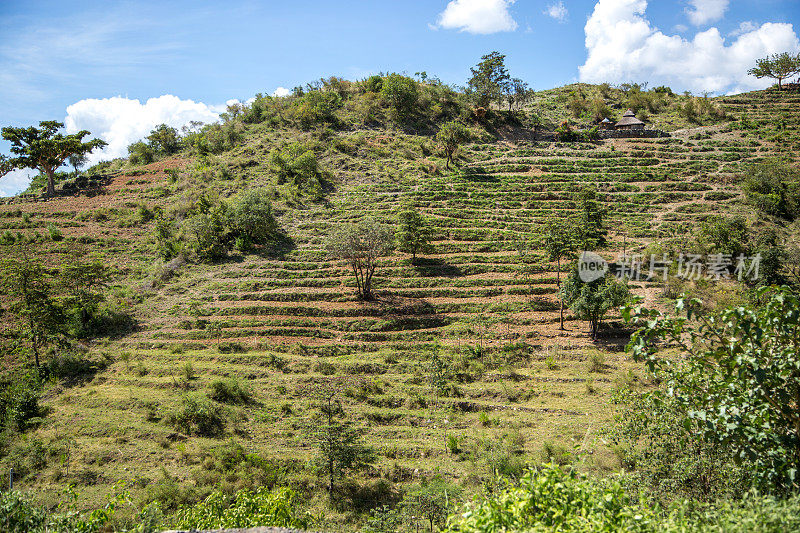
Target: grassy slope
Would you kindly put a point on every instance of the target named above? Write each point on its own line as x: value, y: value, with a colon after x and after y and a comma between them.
x: 300, y: 308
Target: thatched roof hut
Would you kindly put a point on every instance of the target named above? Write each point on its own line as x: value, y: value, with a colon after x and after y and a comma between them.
x: 606, y: 124
x: 629, y: 122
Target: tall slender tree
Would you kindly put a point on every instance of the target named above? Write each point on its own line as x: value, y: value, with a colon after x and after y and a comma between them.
x: 561, y: 242
x: 490, y: 79
x: 46, y: 149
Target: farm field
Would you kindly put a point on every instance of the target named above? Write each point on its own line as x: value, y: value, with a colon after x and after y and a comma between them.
x: 288, y: 324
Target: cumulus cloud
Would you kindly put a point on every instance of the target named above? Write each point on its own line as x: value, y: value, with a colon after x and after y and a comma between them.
x: 121, y: 121
x: 704, y: 11
x: 744, y: 27
x: 280, y: 92
x: 623, y: 46
x: 557, y: 11
x: 15, y: 181
x: 478, y: 16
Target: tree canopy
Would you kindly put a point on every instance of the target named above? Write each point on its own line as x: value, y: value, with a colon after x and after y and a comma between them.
x: 45, y: 149
x: 777, y: 67
x: 490, y: 79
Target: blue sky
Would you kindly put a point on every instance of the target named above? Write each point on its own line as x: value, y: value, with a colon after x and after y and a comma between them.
x: 55, y: 54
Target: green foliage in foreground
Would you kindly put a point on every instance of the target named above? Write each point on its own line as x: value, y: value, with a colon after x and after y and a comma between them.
x: 249, y: 509
x: 555, y: 499
x: 739, y: 380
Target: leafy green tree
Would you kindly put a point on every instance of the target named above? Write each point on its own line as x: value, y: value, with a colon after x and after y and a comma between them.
x: 34, y: 308
x: 431, y: 500
x: 413, y: 233
x: 400, y: 92
x: 490, y: 79
x: 164, y: 139
x: 252, y: 220
x: 450, y: 136
x: 592, y: 215
x: 141, y: 153
x: 77, y: 161
x: 725, y: 235
x: 208, y: 235
x: 45, y: 149
x: 777, y: 67
x: 561, y: 242
x: 591, y: 301
x: 341, y: 447
x: 774, y: 188
x: 740, y: 378
x: 84, y: 283
x: 5, y: 165
x: 361, y: 245
x: 517, y: 94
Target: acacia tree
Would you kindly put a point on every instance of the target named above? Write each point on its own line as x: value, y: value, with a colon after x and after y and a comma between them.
x: 777, y: 67
x: 560, y: 243
x: 450, y: 136
x: 413, y: 233
x: 490, y: 79
x: 361, y: 245
x: 45, y: 149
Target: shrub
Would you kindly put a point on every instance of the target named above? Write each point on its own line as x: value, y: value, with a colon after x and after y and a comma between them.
x: 140, y: 153
x: 774, y: 188
x: 278, y: 508
x: 251, y: 219
x: 198, y: 415
x: 164, y: 139
x: 18, y: 515
x: 400, y: 92
x: 556, y: 499
x: 230, y: 391
x: 207, y: 234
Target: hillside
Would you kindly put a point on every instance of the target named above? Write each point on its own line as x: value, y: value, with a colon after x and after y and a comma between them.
x: 286, y: 320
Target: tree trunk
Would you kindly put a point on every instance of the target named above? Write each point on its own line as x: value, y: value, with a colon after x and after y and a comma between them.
x: 560, y: 296
x: 51, y: 183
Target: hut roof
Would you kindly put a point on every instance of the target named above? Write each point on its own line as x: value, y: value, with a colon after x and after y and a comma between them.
x: 629, y: 119
x: 605, y: 121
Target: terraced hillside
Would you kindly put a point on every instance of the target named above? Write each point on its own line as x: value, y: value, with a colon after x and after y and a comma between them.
x: 288, y: 323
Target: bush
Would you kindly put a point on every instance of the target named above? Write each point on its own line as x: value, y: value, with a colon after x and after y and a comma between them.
x: 198, y: 415
x: 19, y: 401
x: 400, y: 92
x: 230, y: 391
x: 555, y: 499
x: 140, y: 153
x: 774, y: 188
x: 207, y: 234
x: 251, y: 219
x: 277, y: 508
x: 18, y: 515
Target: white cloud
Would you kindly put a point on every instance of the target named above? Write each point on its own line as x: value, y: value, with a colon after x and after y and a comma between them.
x: 121, y: 121
x: 16, y: 181
x: 477, y: 16
x: 622, y: 47
x: 680, y: 28
x: 705, y: 11
x: 557, y: 11
x: 280, y: 92
x: 744, y: 27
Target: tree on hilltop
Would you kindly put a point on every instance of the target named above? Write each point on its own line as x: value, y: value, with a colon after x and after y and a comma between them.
x: 777, y: 67
x: 490, y: 79
x: 45, y: 149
